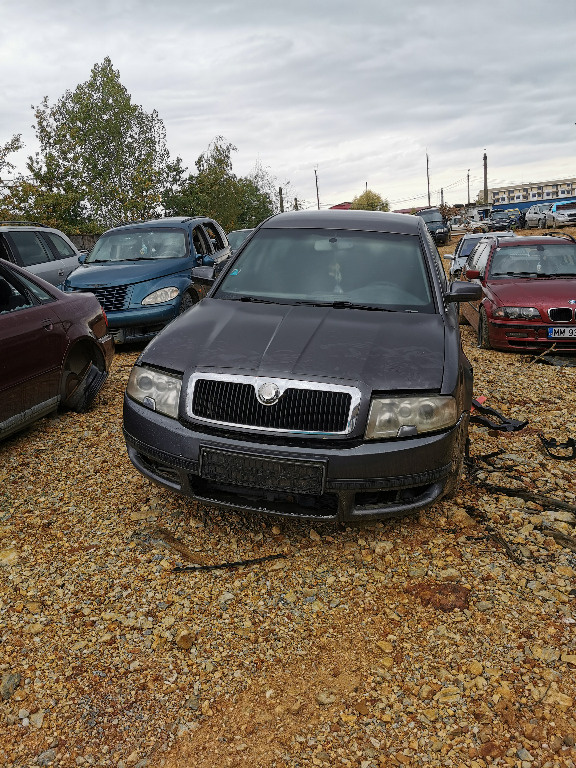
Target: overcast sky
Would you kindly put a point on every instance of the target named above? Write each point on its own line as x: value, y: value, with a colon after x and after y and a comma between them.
x: 359, y: 91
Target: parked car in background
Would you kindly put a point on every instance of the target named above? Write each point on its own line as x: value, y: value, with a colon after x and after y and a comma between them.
x: 465, y: 247
x: 561, y: 215
x: 437, y: 225
x: 43, y: 251
x: 502, y: 221
x: 529, y: 293
x: 536, y: 215
x: 322, y: 377
x: 55, y: 349
x: 237, y: 237
x: 142, y: 273
x: 459, y: 224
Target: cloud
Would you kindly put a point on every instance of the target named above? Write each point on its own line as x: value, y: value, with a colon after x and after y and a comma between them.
x: 359, y: 91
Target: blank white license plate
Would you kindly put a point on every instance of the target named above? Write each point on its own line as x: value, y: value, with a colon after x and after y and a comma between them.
x: 562, y: 333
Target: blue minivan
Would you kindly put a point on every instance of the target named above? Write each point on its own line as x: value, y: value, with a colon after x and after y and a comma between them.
x: 142, y: 273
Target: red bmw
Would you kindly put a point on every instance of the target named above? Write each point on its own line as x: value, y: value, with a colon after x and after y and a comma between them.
x: 529, y: 293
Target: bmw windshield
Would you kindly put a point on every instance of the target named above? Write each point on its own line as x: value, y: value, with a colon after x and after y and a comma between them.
x: 340, y: 268
x: 553, y: 260
x: 139, y: 244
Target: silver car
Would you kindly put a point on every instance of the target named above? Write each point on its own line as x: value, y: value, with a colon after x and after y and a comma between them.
x: 465, y: 247
x: 561, y: 215
x: 44, y: 251
x: 536, y: 215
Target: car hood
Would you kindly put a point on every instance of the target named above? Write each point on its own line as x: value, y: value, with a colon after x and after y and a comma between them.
x: 125, y: 272
x: 384, y: 350
x: 547, y: 291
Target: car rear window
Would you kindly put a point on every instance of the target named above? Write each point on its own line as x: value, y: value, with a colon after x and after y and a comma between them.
x: 325, y: 266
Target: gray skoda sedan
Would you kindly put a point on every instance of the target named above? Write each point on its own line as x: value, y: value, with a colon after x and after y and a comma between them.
x: 322, y: 377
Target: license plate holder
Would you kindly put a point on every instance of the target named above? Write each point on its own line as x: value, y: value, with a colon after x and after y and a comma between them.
x: 262, y: 472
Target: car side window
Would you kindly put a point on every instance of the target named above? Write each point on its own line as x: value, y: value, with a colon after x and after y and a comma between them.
x: 437, y: 261
x: 30, y: 249
x: 215, y: 237
x: 200, y: 242
x: 12, y: 296
x: 43, y: 296
x: 60, y: 247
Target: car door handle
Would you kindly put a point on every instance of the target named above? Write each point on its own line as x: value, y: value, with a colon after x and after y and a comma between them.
x: 47, y: 324
x: 61, y: 273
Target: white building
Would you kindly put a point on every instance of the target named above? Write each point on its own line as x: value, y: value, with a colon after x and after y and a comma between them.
x: 531, y: 191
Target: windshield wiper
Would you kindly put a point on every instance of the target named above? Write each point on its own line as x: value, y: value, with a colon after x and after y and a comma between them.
x: 254, y: 300
x: 340, y: 304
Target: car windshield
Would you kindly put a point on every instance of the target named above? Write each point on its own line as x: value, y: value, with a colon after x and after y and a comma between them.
x: 237, y: 237
x: 140, y: 244
x: 431, y: 217
x: 500, y: 215
x: 549, y: 260
x: 342, y: 268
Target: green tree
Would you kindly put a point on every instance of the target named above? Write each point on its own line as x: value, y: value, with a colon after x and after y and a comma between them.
x: 215, y: 191
x: 370, y: 201
x: 101, y: 152
x: 11, y: 146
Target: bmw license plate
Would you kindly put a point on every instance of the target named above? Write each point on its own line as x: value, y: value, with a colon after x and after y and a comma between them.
x: 562, y: 333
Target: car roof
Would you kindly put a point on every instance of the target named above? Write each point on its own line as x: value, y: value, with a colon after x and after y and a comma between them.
x: 371, y: 221
x: 168, y: 221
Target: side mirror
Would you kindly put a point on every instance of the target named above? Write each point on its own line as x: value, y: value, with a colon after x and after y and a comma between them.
x: 472, y: 274
x: 448, y: 256
x: 82, y: 256
x: 463, y: 291
x: 203, y: 274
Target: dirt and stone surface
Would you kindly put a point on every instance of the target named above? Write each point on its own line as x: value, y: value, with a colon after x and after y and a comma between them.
x: 444, y: 639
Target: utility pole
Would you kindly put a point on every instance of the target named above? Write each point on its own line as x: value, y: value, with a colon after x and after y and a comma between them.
x: 441, y: 195
x: 485, y: 178
x: 281, y: 199
x: 317, y: 193
x: 468, y: 177
x: 428, y: 177
x: 296, y: 204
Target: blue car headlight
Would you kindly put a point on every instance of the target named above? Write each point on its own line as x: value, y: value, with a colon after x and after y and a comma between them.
x: 156, y: 390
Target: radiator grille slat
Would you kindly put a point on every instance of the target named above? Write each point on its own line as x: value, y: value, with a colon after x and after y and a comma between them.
x: 299, y: 410
x: 111, y: 299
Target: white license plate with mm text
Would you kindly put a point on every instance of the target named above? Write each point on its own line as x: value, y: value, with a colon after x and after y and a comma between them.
x: 562, y: 333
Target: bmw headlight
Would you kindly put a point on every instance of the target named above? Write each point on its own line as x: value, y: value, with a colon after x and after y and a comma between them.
x: 155, y: 390
x: 161, y: 296
x: 393, y: 416
x: 517, y: 313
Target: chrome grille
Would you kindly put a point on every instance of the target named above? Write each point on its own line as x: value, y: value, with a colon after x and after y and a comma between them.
x: 303, y: 407
x: 560, y: 314
x: 111, y: 298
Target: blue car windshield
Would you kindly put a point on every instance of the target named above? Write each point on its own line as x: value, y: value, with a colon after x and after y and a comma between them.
x: 330, y: 266
x: 139, y: 244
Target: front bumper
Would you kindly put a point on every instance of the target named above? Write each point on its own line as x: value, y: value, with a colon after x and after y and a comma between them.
x: 353, y: 480
x: 518, y: 337
x: 141, y: 323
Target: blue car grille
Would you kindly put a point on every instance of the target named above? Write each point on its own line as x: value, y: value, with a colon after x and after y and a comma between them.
x: 297, y: 410
x: 111, y: 299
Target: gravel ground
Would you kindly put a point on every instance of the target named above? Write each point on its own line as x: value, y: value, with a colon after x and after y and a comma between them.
x: 446, y: 639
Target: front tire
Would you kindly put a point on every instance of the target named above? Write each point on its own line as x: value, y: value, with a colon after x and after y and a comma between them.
x: 186, y: 303
x: 483, y: 335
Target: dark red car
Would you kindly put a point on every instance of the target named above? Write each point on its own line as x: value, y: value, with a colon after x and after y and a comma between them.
x: 529, y: 293
x: 55, y: 349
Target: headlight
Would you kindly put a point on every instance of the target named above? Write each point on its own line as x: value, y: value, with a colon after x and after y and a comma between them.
x: 155, y: 390
x: 388, y: 415
x: 161, y: 295
x: 517, y: 313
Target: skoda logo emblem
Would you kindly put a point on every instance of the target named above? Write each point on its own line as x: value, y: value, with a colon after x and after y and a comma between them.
x: 268, y: 393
